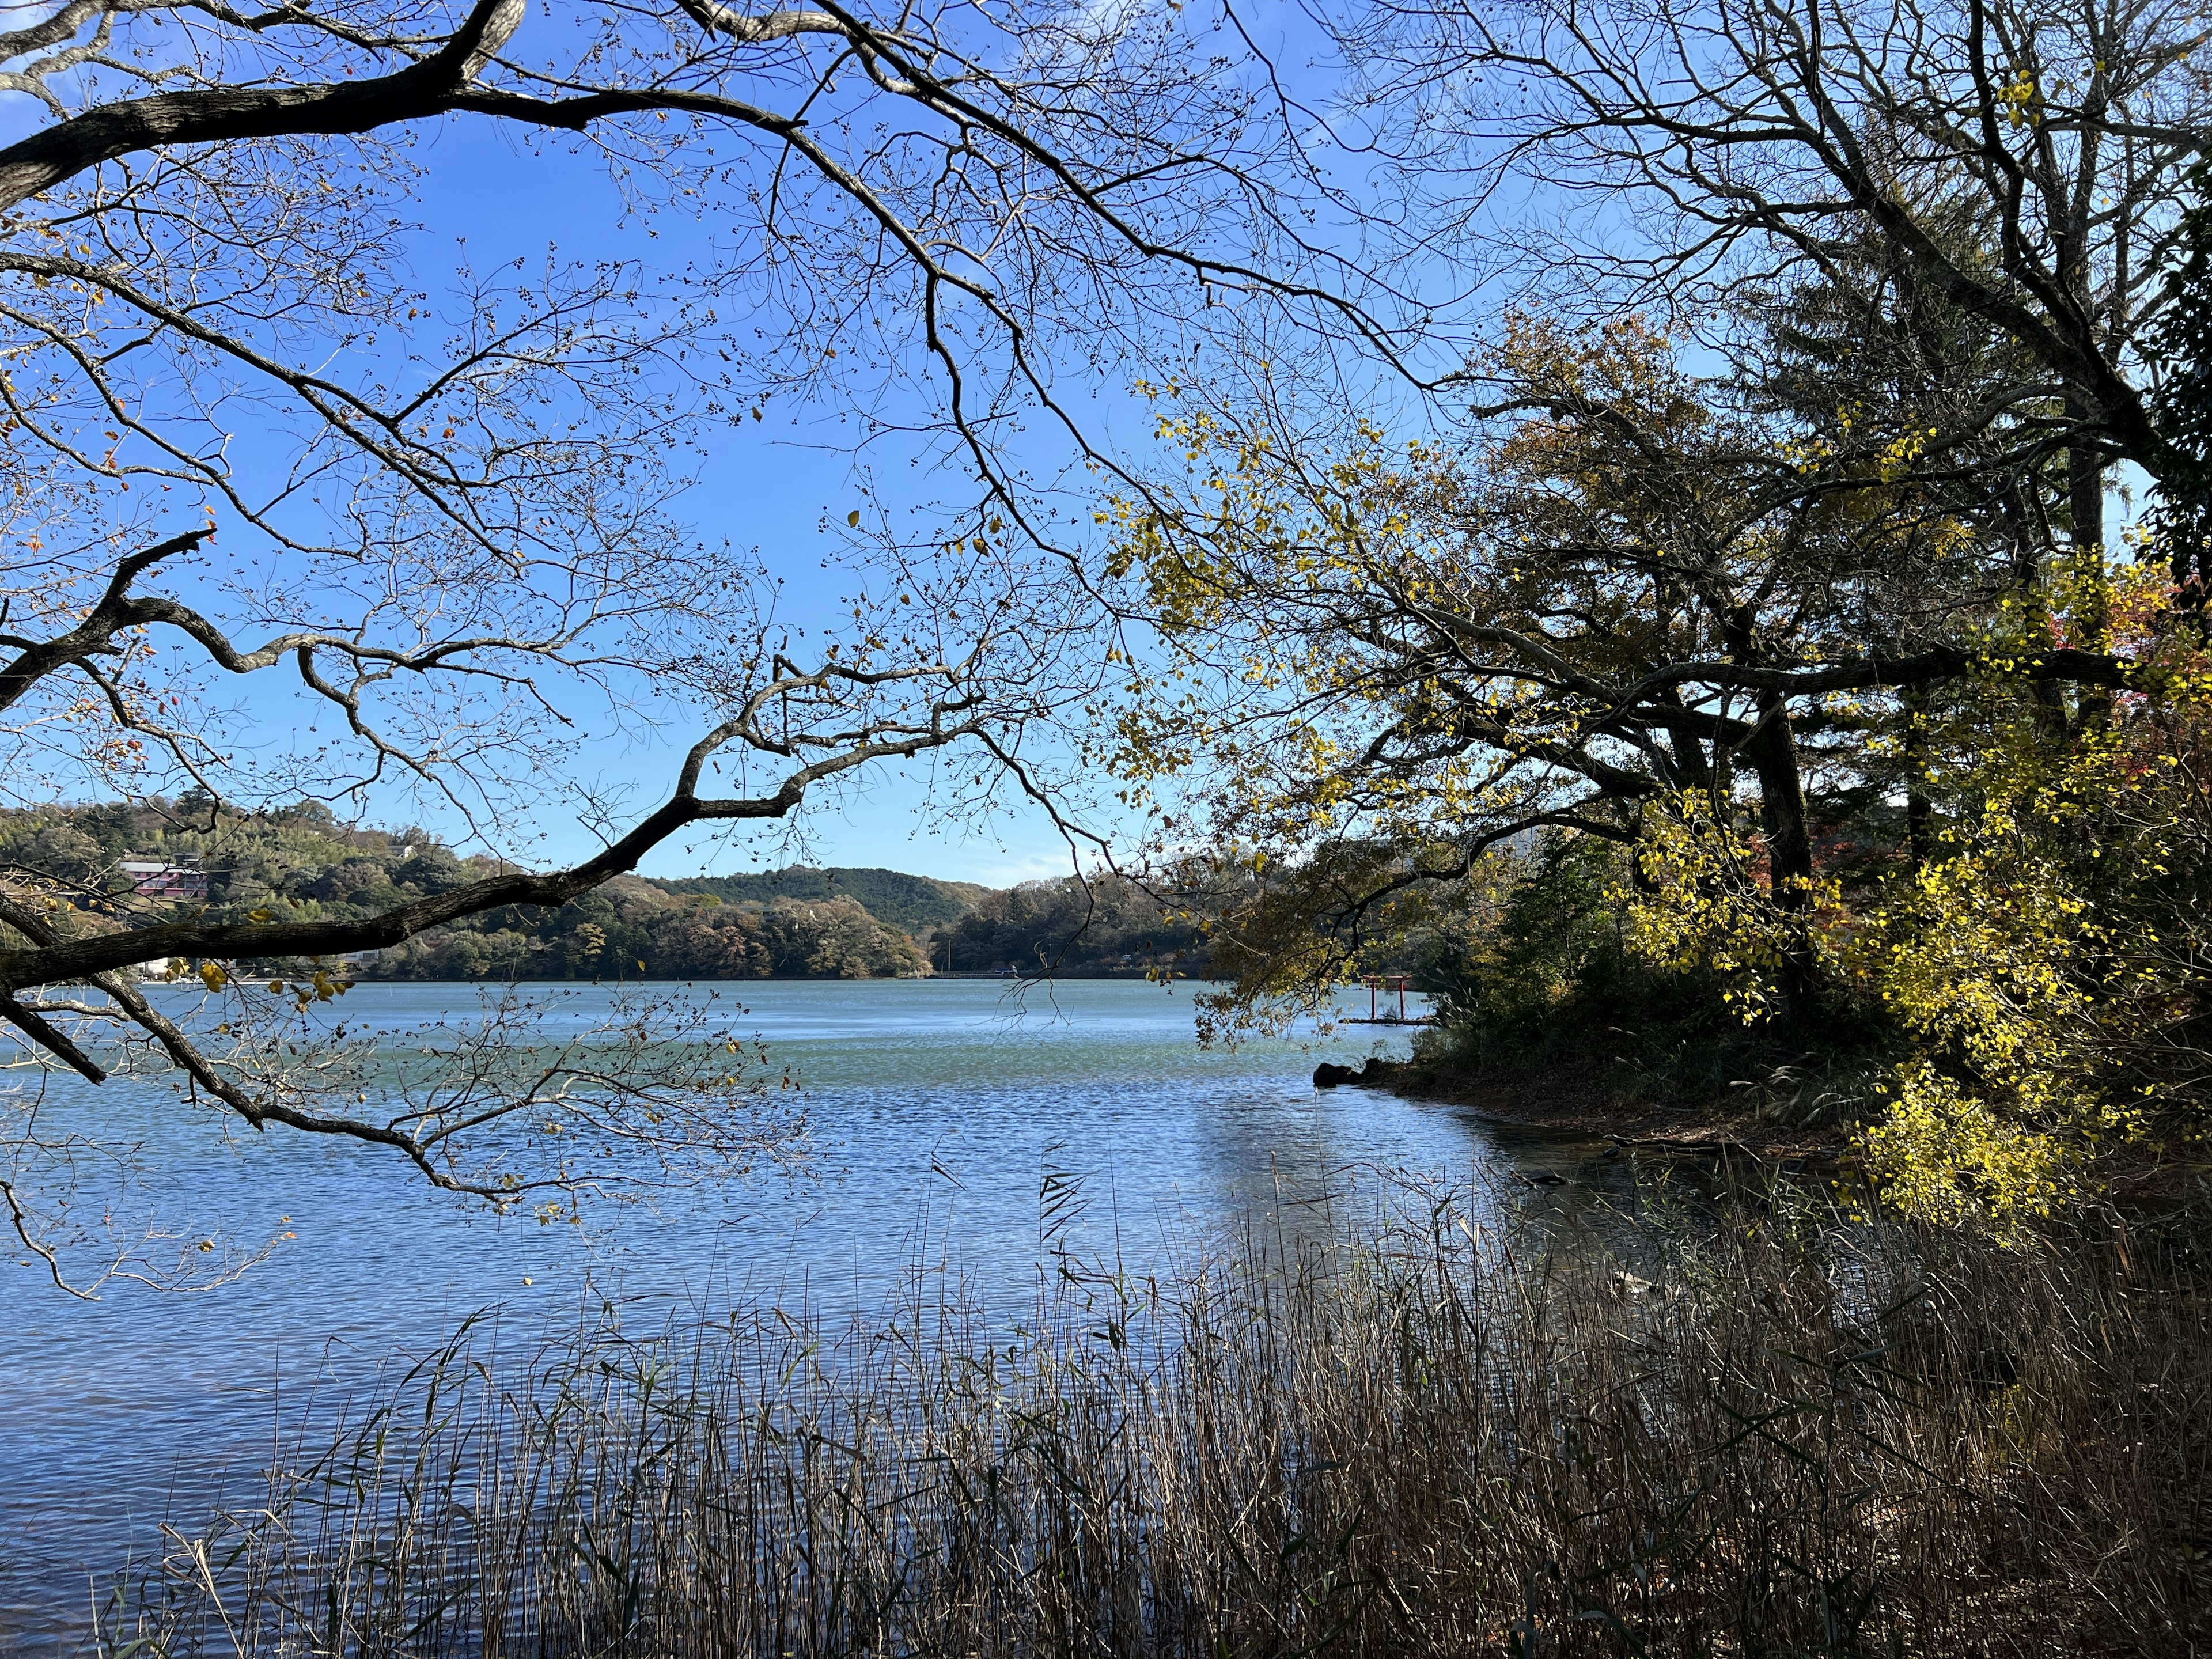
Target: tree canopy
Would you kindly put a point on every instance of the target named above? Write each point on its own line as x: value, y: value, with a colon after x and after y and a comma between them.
x: 1760, y: 595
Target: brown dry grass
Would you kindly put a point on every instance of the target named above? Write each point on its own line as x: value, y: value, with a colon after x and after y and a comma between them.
x: 1804, y: 1437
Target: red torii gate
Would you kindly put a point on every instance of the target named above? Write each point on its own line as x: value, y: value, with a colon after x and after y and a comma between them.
x: 1377, y: 983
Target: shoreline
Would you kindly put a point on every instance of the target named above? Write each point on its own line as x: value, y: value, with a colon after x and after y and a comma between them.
x: 1134, y: 976
x: 1572, y: 1100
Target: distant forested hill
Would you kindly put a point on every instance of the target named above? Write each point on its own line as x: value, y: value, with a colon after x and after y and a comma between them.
x: 914, y: 903
x: 103, y: 866
x: 1109, y: 926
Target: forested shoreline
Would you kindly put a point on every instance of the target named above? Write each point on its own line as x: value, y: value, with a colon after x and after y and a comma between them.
x: 798, y: 922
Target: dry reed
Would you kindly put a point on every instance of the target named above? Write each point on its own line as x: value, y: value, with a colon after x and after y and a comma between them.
x: 1800, y: 1436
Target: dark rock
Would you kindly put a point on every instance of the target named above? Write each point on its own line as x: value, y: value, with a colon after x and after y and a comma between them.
x: 1540, y: 1177
x: 1376, y: 1073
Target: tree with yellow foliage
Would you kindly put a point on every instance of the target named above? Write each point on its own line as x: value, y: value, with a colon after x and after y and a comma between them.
x: 1810, y: 674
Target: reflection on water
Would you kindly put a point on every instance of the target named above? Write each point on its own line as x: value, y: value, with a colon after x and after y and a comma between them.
x: 960, y: 1132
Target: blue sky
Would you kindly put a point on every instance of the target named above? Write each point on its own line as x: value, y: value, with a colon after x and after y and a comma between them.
x: 781, y: 488
x: 492, y: 193
x: 489, y: 193
x: 772, y: 486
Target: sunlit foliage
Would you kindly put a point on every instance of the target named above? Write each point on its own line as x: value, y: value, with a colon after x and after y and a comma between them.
x: 1867, y: 755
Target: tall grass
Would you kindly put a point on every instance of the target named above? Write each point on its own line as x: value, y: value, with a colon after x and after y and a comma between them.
x: 1798, y: 1436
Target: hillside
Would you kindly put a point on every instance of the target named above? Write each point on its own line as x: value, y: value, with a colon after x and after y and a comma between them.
x: 1110, y: 927
x: 121, y: 865
x: 108, y: 866
x: 916, y: 903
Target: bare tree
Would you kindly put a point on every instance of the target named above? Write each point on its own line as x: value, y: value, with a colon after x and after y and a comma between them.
x: 450, y: 519
x: 2026, y: 161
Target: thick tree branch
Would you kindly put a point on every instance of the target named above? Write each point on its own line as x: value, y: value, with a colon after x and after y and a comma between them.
x: 75, y: 959
x: 220, y: 114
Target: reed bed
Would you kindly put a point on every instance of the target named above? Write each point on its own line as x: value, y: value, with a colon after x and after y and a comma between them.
x: 1796, y: 1435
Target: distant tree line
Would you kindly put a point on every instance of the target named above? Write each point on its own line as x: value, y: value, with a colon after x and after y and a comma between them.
x: 301, y: 862
x: 916, y: 903
x: 635, y: 928
x: 1105, y: 926
x: 798, y: 923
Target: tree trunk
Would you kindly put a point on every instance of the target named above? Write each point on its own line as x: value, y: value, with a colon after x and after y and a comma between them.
x: 2029, y: 539
x: 1773, y: 752
x: 2092, y: 614
x: 1690, y: 770
x: 1919, y: 815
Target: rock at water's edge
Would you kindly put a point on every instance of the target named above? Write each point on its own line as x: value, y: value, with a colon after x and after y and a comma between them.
x: 1375, y: 1074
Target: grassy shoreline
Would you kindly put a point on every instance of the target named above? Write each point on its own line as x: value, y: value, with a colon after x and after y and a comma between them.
x: 1770, y: 1429
x: 1584, y: 1099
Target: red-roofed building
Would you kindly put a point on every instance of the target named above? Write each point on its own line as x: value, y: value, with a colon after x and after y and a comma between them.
x: 183, y: 882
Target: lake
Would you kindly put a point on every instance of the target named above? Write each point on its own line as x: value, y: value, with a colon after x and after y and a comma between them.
x: 940, y: 1111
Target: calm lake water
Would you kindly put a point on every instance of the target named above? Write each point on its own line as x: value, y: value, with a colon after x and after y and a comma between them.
x: 938, y: 1108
